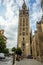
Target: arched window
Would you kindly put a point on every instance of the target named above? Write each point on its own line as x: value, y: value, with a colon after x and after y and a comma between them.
x: 23, y: 38
x: 23, y: 33
x: 20, y: 21
x: 23, y: 21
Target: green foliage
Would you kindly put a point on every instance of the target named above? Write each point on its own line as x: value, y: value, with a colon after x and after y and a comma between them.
x: 2, y: 44
x: 18, y: 51
x: 6, y: 51
x: 13, y: 49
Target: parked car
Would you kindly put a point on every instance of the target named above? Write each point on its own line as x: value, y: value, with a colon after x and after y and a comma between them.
x: 2, y: 56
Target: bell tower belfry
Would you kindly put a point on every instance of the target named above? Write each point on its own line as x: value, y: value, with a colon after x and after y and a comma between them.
x: 24, y: 31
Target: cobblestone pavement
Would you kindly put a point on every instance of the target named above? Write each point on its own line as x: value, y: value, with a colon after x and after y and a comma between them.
x: 28, y: 62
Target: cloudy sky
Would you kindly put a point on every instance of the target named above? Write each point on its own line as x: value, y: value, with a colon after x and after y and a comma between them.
x: 9, y: 11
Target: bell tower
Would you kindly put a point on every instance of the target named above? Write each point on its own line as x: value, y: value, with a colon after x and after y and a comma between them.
x: 24, y: 31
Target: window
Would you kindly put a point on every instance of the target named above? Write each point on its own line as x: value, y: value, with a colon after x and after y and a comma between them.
x: 23, y: 21
x: 20, y: 33
x: 23, y: 24
x: 26, y: 21
x: 23, y: 45
x: 23, y: 11
x: 26, y: 33
x: 23, y: 38
x: 23, y: 29
x: 23, y: 33
x: 27, y: 12
x: 20, y: 21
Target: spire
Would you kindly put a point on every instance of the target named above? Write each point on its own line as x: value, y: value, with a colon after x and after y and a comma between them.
x: 24, y: 5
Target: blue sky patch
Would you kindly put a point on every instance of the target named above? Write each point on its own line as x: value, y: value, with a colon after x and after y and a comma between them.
x: 2, y: 10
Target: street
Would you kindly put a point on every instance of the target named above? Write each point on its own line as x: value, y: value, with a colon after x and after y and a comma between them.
x: 29, y: 62
x: 7, y: 61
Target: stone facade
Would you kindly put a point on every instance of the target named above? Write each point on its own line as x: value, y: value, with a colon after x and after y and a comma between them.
x: 34, y: 53
x: 40, y: 36
x: 36, y: 46
x: 24, y: 31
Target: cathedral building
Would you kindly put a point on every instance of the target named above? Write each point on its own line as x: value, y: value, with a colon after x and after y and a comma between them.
x: 24, y: 31
x: 37, y: 40
x: 40, y: 32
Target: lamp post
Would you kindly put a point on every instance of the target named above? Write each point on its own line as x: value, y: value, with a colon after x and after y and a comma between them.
x: 13, y: 59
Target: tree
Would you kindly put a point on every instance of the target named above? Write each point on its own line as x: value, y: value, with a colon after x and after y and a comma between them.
x: 18, y: 51
x: 13, y: 49
x: 6, y: 51
x: 2, y: 44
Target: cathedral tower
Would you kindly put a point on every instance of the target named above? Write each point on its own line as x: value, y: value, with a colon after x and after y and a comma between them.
x: 24, y: 31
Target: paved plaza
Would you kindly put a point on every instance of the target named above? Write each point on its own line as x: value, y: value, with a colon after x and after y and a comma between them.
x: 22, y: 62
x: 29, y: 62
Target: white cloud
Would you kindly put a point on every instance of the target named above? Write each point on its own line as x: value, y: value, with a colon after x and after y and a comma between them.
x: 19, y: 2
x: 10, y: 22
x: 36, y: 14
x: 38, y: 1
x: 0, y: 2
x: 2, y: 21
